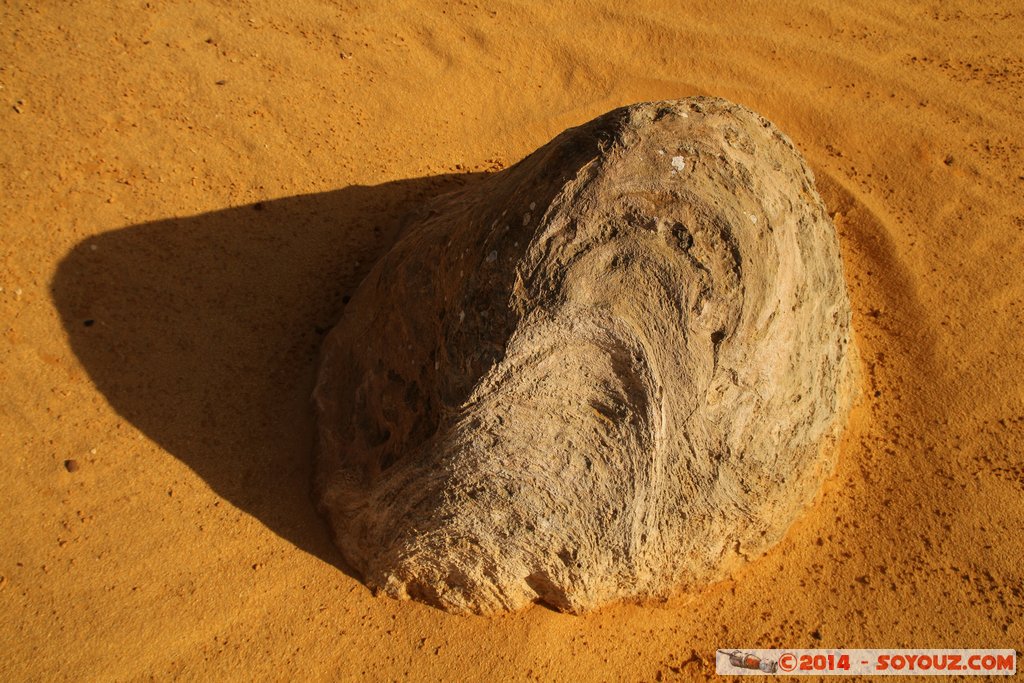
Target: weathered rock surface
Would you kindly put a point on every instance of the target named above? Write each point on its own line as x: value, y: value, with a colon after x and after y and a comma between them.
x: 615, y: 369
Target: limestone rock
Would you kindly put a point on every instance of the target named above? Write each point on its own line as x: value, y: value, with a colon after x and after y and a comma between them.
x: 616, y: 369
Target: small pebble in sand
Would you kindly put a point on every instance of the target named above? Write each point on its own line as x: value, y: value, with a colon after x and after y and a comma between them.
x: 678, y: 163
x: 71, y: 465
x: 492, y: 257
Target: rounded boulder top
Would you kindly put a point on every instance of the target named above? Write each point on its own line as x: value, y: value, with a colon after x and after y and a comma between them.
x: 614, y: 370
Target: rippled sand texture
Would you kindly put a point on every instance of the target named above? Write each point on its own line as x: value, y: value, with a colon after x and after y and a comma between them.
x: 190, y: 193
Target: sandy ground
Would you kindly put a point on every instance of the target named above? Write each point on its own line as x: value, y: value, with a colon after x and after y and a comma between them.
x: 188, y: 193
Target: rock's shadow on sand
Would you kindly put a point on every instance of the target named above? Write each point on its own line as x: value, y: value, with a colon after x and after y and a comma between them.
x: 204, y: 332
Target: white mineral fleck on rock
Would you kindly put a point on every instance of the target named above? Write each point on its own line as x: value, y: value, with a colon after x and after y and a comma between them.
x: 678, y: 163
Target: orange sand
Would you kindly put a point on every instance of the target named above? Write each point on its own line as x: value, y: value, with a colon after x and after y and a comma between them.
x: 135, y: 144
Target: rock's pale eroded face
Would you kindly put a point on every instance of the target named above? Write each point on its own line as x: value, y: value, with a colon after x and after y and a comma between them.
x: 615, y: 369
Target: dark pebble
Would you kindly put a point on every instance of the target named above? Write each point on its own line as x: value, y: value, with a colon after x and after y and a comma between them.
x: 71, y: 465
